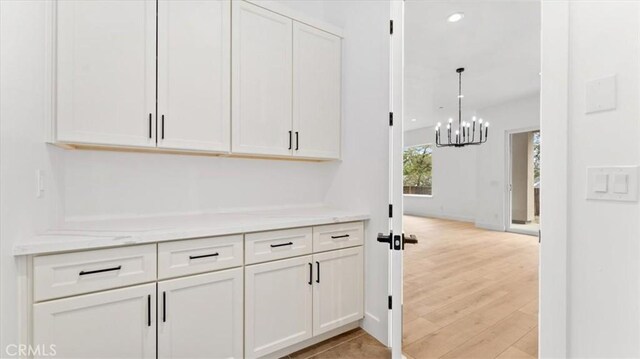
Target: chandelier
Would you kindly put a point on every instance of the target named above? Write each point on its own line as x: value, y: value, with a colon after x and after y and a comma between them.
x: 465, y: 134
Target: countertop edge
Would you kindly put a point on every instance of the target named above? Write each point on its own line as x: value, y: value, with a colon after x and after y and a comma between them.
x: 91, y: 241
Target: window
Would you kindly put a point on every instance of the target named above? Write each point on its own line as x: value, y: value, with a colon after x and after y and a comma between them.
x: 417, y: 167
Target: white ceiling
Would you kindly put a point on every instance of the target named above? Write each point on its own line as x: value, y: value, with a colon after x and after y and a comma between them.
x: 497, y: 42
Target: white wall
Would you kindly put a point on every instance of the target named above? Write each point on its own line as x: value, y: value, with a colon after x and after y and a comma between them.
x: 470, y: 183
x: 453, y: 184
x: 88, y: 184
x: 603, y: 260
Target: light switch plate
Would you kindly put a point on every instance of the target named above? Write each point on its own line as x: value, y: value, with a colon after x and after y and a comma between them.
x: 618, y: 183
x: 601, y: 94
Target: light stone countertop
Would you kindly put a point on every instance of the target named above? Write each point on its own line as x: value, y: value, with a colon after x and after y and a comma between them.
x: 82, y: 235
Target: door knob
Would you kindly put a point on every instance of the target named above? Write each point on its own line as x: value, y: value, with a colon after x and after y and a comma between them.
x: 411, y: 239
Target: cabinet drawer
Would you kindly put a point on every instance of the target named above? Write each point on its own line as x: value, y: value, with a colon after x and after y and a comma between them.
x: 66, y: 274
x: 267, y: 246
x: 335, y: 236
x: 198, y: 255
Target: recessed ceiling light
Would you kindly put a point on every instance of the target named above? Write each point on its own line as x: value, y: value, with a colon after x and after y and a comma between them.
x: 455, y: 17
x: 413, y: 120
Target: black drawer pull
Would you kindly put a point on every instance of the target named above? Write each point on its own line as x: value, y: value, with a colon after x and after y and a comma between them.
x: 150, y: 125
x: 289, y: 139
x: 281, y: 245
x: 310, y: 274
x: 297, y: 141
x: 149, y: 310
x: 318, y: 275
x: 100, y: 270
x: 342, y: 236
x: 204, y: 255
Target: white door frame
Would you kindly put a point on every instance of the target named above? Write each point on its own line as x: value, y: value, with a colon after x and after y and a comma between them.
x: 508, y: 178
x: 554, y: 104
x: 554, y: 101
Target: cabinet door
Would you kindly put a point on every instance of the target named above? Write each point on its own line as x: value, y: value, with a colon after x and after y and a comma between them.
x: 194, y: 60
x: 316, y: 92
x: 201, y: 316
x: 261, y: 70
x: 106, y: 72
x: 278, y: 297
x: 338, y: 289
x: 117, y: 323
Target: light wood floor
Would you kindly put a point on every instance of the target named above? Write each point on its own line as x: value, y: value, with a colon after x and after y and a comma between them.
x: 469, y: 293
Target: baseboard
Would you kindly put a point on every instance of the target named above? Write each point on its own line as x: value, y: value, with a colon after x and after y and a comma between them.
x: 315, y: 340
x: 490, y: 226
x: 443, y: 216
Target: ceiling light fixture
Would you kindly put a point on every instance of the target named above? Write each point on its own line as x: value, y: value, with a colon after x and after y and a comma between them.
x: 413, y: 120
x: 455, y: 17
x: 466, y: 132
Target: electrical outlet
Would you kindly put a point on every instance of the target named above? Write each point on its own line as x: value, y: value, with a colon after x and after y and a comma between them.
x: 39, y: 183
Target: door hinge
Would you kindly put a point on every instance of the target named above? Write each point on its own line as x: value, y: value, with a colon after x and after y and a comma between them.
x: 390, y: 211
x: 391, y: 27
x: 390, y: 118
x: 390, y: 302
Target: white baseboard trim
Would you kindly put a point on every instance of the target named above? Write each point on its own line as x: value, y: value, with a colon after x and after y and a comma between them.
x: 442, y: 216
x: 490, y: 226
x: 315, y: 340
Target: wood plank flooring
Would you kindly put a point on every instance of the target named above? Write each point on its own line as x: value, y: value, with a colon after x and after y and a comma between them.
x: 468, y: 293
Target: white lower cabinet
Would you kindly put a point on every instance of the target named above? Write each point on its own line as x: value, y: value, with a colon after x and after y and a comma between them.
x: 338, y: 289
x: 201, y: 316
x: 291, y: 300
x: 278, y: 306
x: 119, y: 323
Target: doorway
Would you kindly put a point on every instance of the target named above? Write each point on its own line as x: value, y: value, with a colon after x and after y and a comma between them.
x: 523, y: 193
x: 470, y: 284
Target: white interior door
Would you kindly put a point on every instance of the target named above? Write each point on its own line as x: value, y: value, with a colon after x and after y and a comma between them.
x: 194, y: 76
x: 201, y: 316
x: 106, y: 64
x: 338, y: 289
x: 262, y: 81
x: 119, y: 323
x: 396, y: 178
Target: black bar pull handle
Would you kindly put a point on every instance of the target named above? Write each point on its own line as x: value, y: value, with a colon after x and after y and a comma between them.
x: 100, y: 270
x: 342, y: 236
x: 149, y: 310
x: 310, y: 274
x: 162, y: 132
x: 297, y: 141
x: 150, y: 120
x: 318, y: 270
x: 282, y: 244
x: 205, y: 255
x: 164, y: 307
x: 290, y: 140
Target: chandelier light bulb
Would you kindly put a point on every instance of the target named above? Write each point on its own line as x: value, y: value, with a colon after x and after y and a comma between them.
x: 450, y: 120
x: 439, y: 124
x: 448, y: 126
x: 486, y: 124
x: 457, y: 132
x: 480, y: 121
x: 473, y: 118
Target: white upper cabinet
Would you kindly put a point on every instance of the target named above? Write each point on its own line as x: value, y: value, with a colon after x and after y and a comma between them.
x: 262, y: 81
x: 316, y: 92
x: 106, y: 72
x: 194, y: 59
x: 201, y: 316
